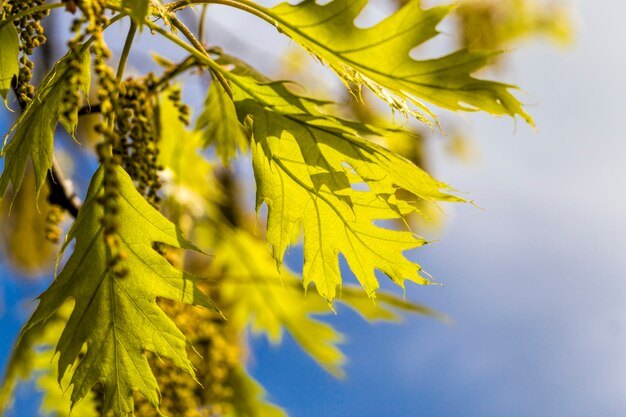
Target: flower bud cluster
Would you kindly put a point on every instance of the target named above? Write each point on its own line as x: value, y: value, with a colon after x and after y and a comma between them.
x: 107, y: 93
x: 136, y: 128
x: 109, y: 200
x: 222, y: 354
x: 71, y: 92
x: 31, y: 34
x: 216, y: 351
x: 53, y: 220
x: 91, y: 24
x: 183, y: 109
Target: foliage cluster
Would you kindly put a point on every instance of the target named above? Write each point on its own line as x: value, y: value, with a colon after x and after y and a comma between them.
x: 148, y: 314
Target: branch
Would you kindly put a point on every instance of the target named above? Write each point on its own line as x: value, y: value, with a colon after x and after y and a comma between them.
x: 198, y: 45
x: 61, y: 191
x: 126, y: 51
x: 245, y: 5
x: 89, y: 109
x: 174, y: 70
x: 201, y: 22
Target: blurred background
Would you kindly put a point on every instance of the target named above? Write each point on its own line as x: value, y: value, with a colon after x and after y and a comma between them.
x: 533, y: 280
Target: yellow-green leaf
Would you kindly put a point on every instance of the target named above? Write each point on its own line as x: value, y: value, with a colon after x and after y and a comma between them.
x: 316, y: 171
x: 9, y: 65
x: 220, y: 126
x: 33, y: 132
x: 378, y: 57
x: 23, y: 227
x: 109, y: 309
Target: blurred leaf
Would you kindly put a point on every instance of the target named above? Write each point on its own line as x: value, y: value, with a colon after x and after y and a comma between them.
x: 461, y: 147
x: 249, y: 397
x: 270, y: 301
x: 20, y: 366
x: 34, y: 357
x: 188, y: 176
x: 220, y: 126
x: 23, y: 229
x: 9, y: 65
x: 263, y: 298
x: 386, y: 307
x: 495, y: 24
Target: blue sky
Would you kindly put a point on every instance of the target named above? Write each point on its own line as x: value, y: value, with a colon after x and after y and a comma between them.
x: 534, y: 282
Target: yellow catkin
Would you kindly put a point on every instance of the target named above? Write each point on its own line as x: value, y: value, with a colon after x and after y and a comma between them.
x: 137, y: 132
x: 217, y: 349
x: 31, y: 34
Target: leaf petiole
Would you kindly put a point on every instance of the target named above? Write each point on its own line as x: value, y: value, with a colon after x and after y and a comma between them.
x: 198, y: 45
x: 125, y: 52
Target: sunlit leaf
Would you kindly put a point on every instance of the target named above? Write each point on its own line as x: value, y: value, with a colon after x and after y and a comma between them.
x: 378, y: 57
x: 220, y: 126
x: 116, y: 307
x: 33, y: 132
x: 317, y: 171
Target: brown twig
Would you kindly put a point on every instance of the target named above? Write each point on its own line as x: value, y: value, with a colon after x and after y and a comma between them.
x: 89, y: 109
x: 61, y: 191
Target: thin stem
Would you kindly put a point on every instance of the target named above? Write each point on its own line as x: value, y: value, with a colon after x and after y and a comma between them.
x: 89, y: 41
x: 126, y: 51
x: 201, y: 22
x: 245, y: 5
x: 32, y: 10
x: 199, y: 47
x: 176, y: 22
x: 176, y: 70
x: 202, y: 57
